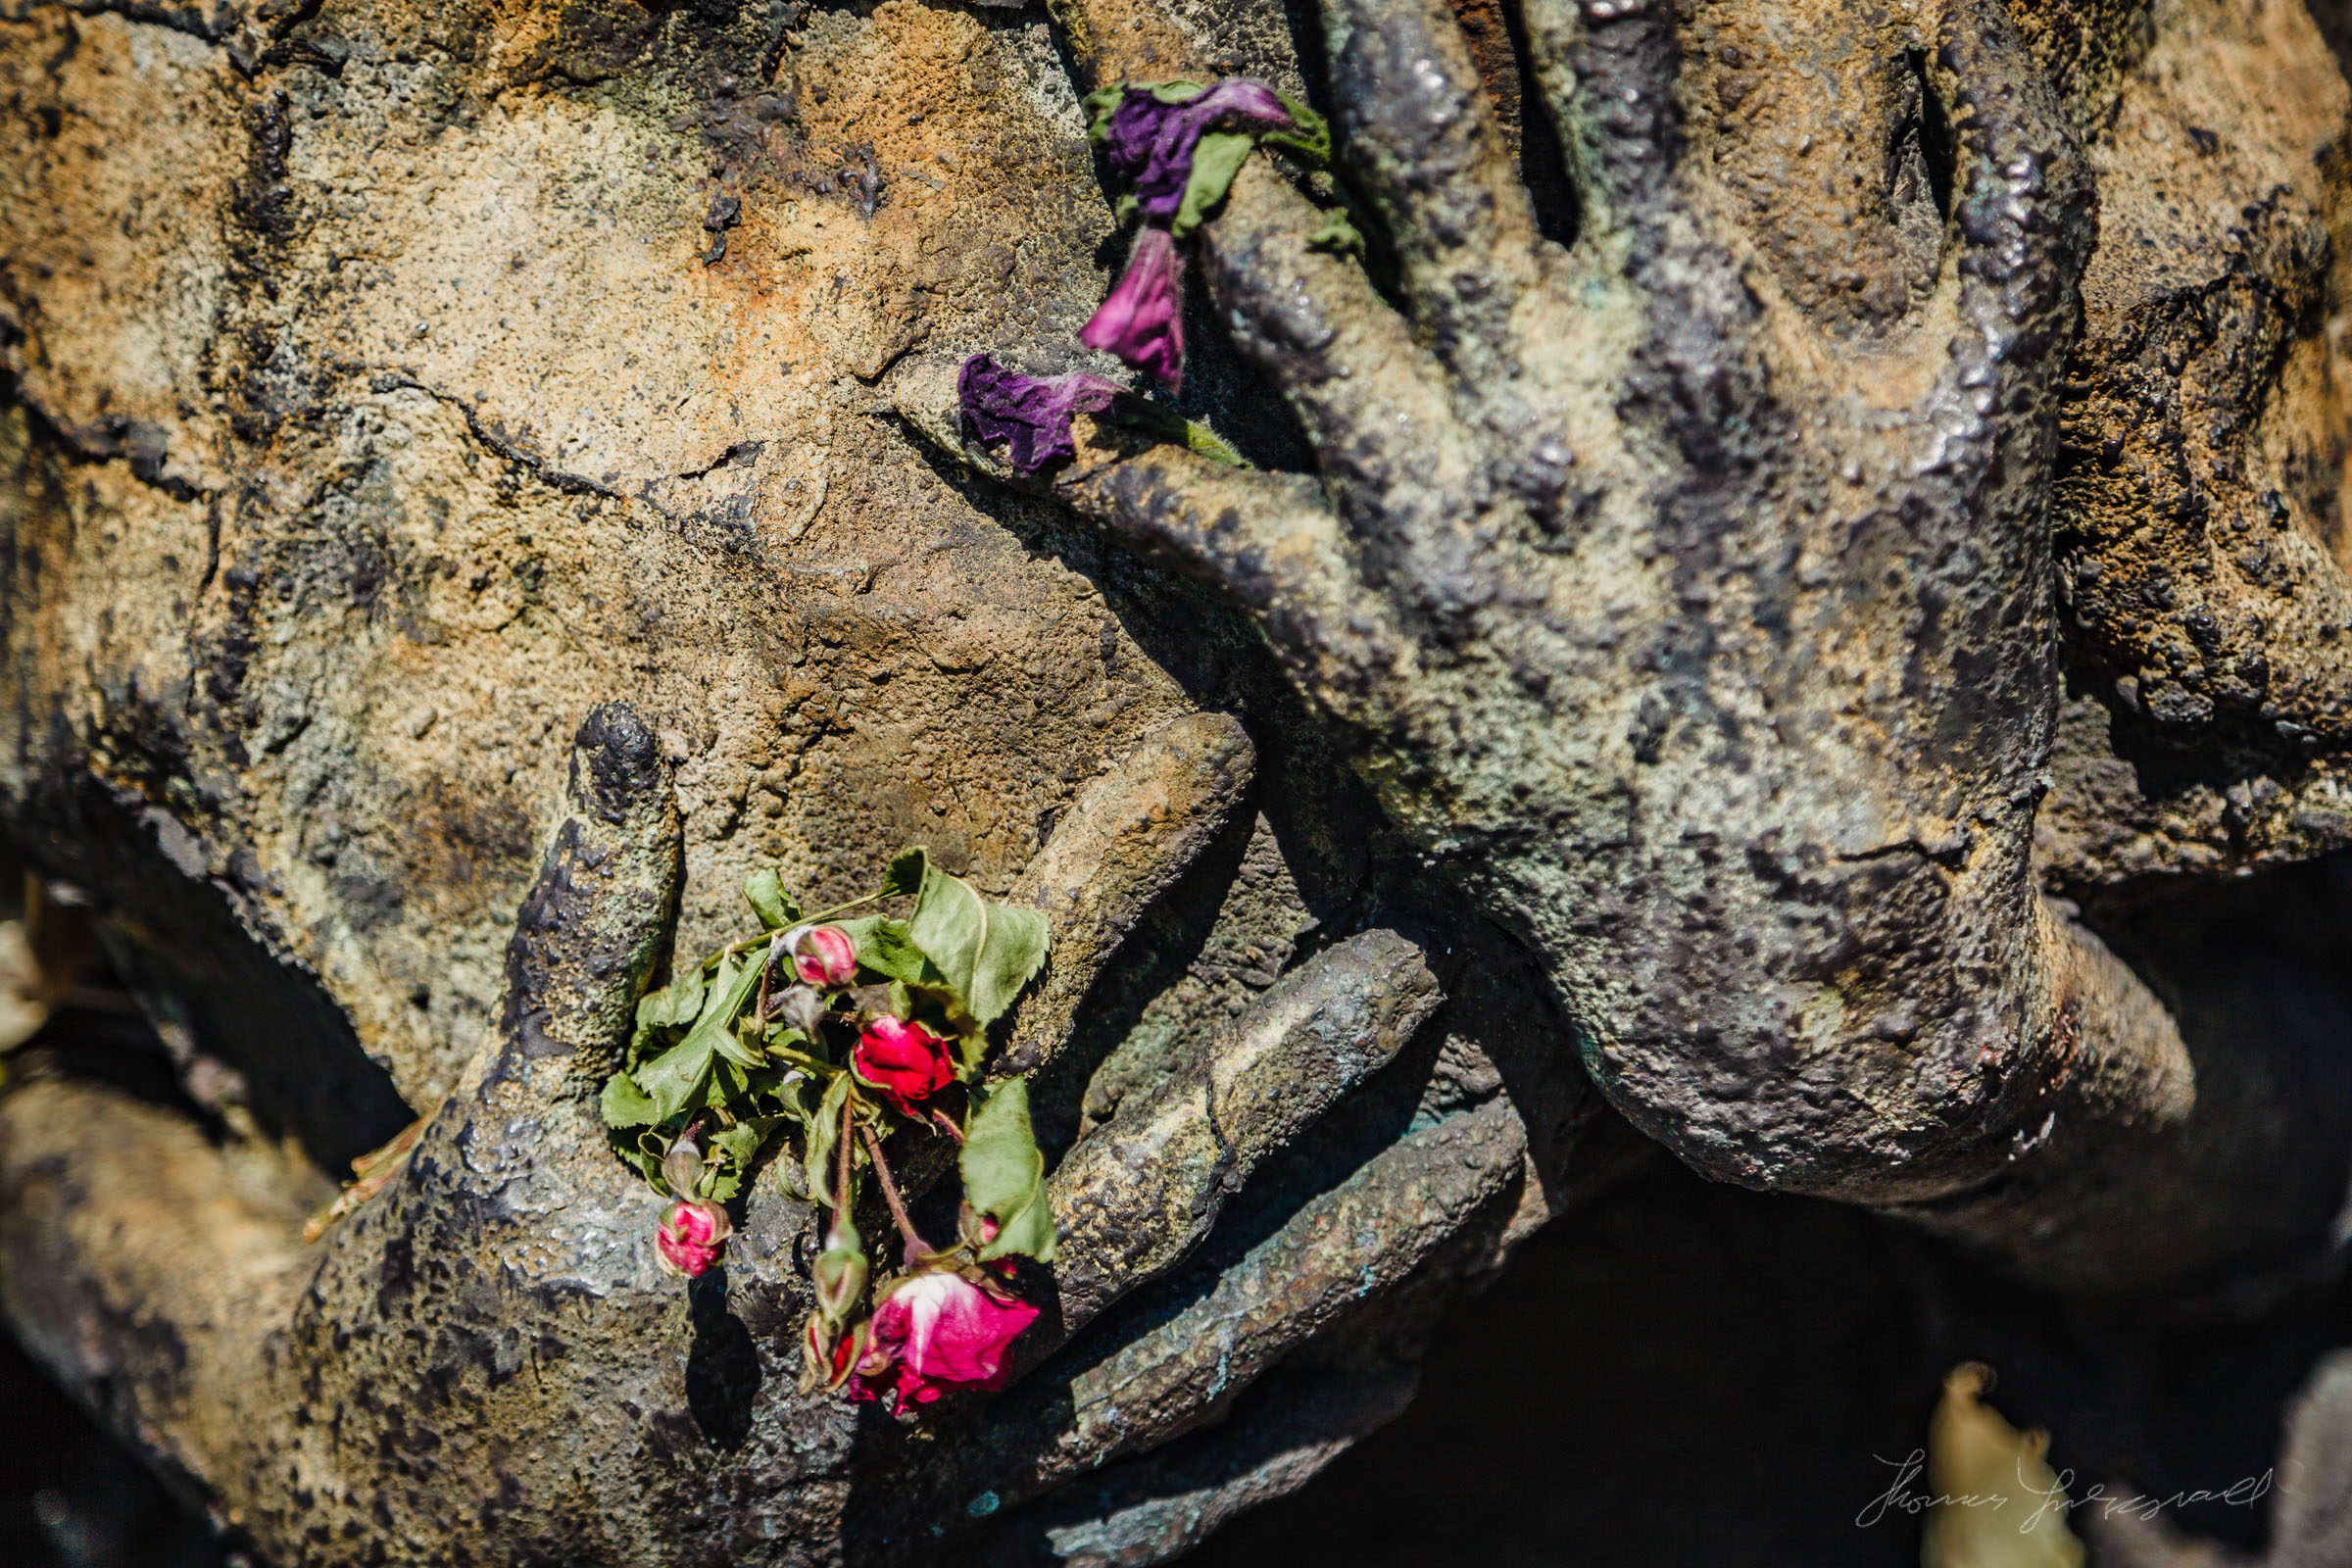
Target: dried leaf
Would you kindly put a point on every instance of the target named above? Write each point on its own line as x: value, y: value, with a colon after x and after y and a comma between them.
x: 2007, y: 1509
x: 1004, y: 1175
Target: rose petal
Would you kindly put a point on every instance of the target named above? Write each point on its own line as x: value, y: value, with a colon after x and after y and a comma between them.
x: 1032, y: 413
x: 1149, y: 145
x: 1143, y: 319
x: 905, y: 1062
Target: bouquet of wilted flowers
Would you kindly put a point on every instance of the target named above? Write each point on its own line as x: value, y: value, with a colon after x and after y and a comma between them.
x: 830, y: 1035
x: 1176, y: 146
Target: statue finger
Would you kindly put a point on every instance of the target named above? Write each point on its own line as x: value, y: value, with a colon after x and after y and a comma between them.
x: 1158, y: 1505
x: 1272, y: 545
x: 522, y: 1129
x: 599, y: 914
x: 1356, y: 1242
x: 1137, y: 1195
x: 1124, y: 842
x: 1416, y: 129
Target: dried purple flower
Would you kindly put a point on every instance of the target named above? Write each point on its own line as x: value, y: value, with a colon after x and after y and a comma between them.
x: 1033, y: 412
x: 1143, y: 319
x: 1149, y: 143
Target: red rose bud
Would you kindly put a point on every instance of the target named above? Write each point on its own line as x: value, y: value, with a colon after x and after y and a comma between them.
x: 1143, y: 319
x: 940, y: 1330
x: 823, y: 956
x: 906, y: 1061
x: 691, y: 1237
x: 682, y: 1167
x: 839, y: 1274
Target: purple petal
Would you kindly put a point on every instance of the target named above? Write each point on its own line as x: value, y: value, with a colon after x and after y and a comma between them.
x: 1143, y: 319
x: 1031, y: 411
x: 1149, y: 144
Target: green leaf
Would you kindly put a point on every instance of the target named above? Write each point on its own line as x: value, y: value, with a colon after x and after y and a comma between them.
x: 951, y: 927
x: 1099, y: 105
x: 730, y: 989
x: 628, y: 1106
x: 883, y: 945
x: 765, y: 892
x: 675, y: 1005
x: 674, y: 1080
x: 1103, y: 102
x: 1157, y: 420
x: 1338, y: 236
x: 985, y: 952
x: 732, y: 1084
x: 1199, y: 437
x: 740, y: 1144
x: 1216, y: 159
x: 1004, y: 1175
x: 971, y: 1048
x: 1311, y: 141
x: 642, y: 1153
x: 823, y: 1133
x: 1011, y: 956
x: 904, y: 873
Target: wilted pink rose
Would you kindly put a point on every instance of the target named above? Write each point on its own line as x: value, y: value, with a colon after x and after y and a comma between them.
x: 1143, y: 319
x: 939, y: 1330
x: 906, y: 1061
x: 691, y: 1237
x: 825, y: 956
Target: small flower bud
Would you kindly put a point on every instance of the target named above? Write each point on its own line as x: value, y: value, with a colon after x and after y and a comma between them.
x: 691, y: 1237
x: 682, y: 1167
x: 840, y: 1273
x: 792, y: 1179
x: 975, y: 1228
x: 832, y: 1355
x: 825, y: 956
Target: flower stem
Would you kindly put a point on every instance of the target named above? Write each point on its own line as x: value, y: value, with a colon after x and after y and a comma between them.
x: 827, y: 914
x: 890, y: 1194
x: 766, y: 965
x: 947, y: 1124
x: 841, y: 1185
x: 769, y: 936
